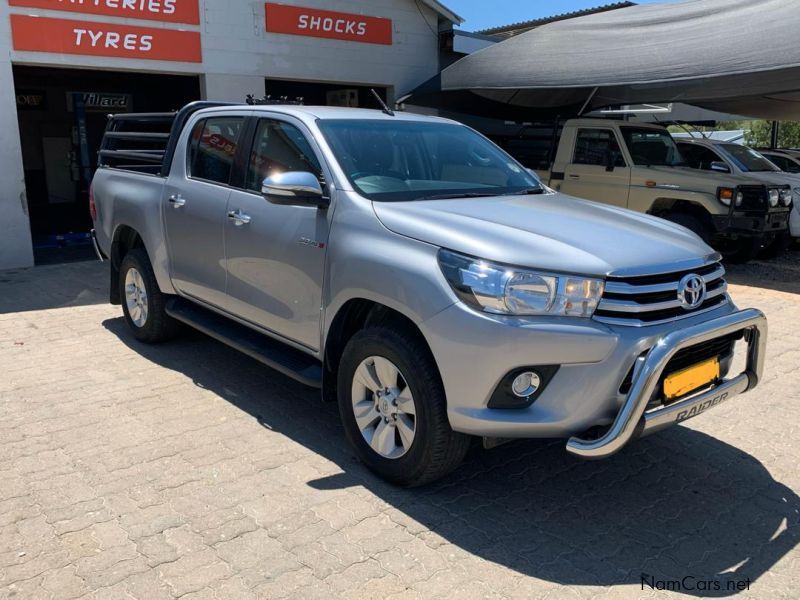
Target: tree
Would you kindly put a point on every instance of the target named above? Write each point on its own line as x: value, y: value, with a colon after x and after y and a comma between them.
x: 760, y: 132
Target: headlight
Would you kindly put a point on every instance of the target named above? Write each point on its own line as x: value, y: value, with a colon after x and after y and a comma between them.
x: 507, y: 290
x: 725, y: 195
x: 774, y: 197
x: 786, y: 197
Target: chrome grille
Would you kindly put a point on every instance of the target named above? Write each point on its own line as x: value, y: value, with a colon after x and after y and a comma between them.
x: 653, y: 299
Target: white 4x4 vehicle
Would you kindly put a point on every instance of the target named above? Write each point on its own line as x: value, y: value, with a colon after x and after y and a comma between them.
x: 729, y: 157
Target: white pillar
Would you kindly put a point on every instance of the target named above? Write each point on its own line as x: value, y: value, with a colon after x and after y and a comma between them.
x: 15, y: 231
x: 231, y: 88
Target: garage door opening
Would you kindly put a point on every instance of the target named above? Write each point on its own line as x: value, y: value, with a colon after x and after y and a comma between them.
x: 326, y: 94
x: 62, y: 115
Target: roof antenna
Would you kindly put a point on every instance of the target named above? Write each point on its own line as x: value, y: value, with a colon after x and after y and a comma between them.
x: 384, y: 108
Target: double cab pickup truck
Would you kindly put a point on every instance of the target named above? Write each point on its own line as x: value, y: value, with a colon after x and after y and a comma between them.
x: 417, y: 275
x: 638, y: 166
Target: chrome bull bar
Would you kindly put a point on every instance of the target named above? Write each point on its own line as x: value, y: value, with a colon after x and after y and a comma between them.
x: 632, y: 421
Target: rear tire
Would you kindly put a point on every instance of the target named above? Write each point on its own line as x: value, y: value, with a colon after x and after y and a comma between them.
x: 143, y: 304
x: 410, y: 439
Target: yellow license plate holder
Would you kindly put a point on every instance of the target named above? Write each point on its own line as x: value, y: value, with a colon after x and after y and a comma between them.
x: 691, y: 378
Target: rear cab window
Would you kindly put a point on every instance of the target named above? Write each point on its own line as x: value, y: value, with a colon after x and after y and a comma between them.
x: 597, y: 147
x: 212, y: 148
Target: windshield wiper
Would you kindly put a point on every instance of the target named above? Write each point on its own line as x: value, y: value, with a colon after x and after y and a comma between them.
x: 457, y: 195
x: 533, y: 190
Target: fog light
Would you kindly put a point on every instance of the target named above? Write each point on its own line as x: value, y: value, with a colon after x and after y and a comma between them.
x: 525, y: 384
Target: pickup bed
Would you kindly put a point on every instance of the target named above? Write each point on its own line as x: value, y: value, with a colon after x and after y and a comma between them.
x: 417, y: 275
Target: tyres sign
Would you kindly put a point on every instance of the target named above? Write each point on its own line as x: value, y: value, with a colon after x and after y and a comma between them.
x: 62, y: 36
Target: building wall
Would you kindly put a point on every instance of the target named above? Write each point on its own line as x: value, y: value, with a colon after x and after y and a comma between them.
x: 238, y: 54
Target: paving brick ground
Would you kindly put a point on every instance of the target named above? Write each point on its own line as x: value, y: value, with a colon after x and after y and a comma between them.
x: 188, y: 470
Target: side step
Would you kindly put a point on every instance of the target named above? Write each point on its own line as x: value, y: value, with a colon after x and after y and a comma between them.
x: 276, y: 355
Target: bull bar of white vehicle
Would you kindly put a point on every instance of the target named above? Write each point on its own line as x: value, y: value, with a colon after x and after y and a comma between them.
x: 633, y: 420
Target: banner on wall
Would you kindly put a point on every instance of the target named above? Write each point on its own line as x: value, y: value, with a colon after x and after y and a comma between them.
x: 62, y: 36
x: 168, y: 11
x: 312, y: 22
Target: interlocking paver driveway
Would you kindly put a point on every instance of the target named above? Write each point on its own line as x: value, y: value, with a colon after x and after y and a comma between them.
x: 188, y: 470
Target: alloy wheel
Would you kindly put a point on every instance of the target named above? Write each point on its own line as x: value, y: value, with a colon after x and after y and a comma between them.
x: 384, y: 407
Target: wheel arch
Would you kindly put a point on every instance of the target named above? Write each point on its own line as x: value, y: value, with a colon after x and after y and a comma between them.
x: 125, y: 238
x: 353, y: 316
x: 664, y: 206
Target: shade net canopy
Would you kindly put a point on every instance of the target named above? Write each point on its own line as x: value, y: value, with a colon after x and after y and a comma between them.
x: 733, y: 56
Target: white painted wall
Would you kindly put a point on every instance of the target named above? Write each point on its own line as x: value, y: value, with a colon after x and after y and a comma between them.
x: 238, y: 54
x: 15, y: 231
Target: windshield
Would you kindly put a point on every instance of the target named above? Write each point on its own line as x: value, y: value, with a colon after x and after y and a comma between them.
x: 652, y: 147
x: 747, y: 159
x: 398, y: 160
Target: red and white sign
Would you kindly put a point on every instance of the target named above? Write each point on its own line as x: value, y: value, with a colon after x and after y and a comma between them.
x: 43, y: 34
x: 312, y: 22
x: 168, y: 11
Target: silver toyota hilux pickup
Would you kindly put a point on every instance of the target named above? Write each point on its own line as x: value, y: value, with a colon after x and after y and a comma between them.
x: 417, y: 275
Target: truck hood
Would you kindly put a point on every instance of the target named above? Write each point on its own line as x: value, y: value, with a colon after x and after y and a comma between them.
x: 775, y: 178
x: 552, y: 232
x: 705, y: 180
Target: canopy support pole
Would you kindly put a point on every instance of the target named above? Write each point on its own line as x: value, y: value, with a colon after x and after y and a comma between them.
x: 589, y: 99
x: 774, y: 134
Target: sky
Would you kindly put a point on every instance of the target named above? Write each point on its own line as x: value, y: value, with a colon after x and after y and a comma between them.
x: 482, y: 14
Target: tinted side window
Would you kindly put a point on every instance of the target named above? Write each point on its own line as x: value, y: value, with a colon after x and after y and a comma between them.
x: 594, y: 146
x: 698, y: 157
x: 213, y: 148
x: 279, y: 147
x: 783, y: 163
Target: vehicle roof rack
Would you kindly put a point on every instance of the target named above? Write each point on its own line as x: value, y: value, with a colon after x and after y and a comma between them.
x: 269, y: 100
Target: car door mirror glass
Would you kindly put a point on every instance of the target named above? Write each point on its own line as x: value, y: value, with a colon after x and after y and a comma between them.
x: 720, y: 167
x: 293, y: 187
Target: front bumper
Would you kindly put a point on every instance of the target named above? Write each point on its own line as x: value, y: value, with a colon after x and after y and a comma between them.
x: 475, y: 351
x: 751, y: 223
x: 633, y: 421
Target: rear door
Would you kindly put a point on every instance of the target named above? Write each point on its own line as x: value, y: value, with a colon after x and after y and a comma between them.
x: 276, y: 259
x: 194, y: 210
x: 598, y: 170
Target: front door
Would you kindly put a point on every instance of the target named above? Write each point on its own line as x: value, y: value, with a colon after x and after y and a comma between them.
x: 276, y: 254
x: 194, y: 209
x: 598, y: 170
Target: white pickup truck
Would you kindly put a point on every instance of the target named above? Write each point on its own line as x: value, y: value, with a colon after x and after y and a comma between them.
x: 638, y: 166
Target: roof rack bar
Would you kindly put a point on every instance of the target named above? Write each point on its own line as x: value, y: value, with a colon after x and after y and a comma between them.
x: 143, y: 156
x: 143, y: 116
x: 136, y: 135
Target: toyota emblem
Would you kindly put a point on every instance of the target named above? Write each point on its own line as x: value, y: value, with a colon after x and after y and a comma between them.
x: 691, y: 291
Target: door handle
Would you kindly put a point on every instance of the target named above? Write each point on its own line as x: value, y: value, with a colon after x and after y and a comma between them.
x: 239, y: 218
x: 574, y: 176
x: 177, y: 200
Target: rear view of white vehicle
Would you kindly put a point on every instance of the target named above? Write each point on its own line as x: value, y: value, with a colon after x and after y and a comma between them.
x: 418, y: 276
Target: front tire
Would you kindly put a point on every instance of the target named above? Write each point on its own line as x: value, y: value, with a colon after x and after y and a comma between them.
x: 692, y: 223
x: 143, y: 304
x: 393, y: 407
x: 777, y: 246
x: 743, y: 250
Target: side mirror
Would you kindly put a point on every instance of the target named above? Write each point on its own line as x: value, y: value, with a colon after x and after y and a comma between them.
x: 720, y: 167
x: 294, y: 188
